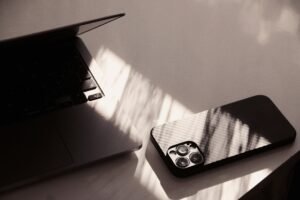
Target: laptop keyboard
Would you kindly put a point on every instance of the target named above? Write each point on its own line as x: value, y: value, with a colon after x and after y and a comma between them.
x: 45, y: 81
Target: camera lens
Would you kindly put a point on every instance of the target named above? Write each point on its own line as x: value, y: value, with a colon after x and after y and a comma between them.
x: 182, y: 162
x: 196, y: 158
x: 182, y: 150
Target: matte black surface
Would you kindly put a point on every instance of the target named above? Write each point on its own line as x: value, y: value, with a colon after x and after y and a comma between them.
x: 226, y: 133
x: 41, y: 79
x: 30, y: 149
x: 281, y: 184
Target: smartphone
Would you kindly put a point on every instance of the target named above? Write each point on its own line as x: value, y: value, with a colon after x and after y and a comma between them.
x: 220, y: 135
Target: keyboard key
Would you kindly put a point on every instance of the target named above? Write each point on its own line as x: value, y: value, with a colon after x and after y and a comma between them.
x: 88, y: 85
x: 94, y: 96
x: 87, y: 76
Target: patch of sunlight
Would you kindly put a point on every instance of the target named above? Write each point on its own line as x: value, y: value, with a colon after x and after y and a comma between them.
x: 233, y: 189
x: 263, y: 35
x: 114, y: 75
x: 150, y: 181
x: 131, y: 101
x: 242, y: 184
x: 244, y: 139
x: 134, y: 104
x: 258, y: 176
x: 213, y: 2
x: 188, y: 128
x: 172, y: 110
x: 210, y: 193
x: 262, y: 19
x: 288, y: 21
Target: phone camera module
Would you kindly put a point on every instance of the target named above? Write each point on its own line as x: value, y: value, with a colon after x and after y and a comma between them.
x: 196, y: 158
x: 185, y: 155
x: 182, y: 150
x: 182, y: 162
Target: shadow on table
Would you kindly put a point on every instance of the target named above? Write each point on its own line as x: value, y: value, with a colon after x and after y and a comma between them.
x: 113, y: 179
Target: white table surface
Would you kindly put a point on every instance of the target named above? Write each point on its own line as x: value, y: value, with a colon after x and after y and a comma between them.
x: 169, y: 59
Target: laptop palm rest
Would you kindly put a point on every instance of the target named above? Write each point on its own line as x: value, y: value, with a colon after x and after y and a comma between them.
x: 61, y: 140
x: 89, y: 136
x: 30, y: 149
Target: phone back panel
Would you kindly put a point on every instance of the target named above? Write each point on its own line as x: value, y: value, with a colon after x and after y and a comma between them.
x: 228, y: 131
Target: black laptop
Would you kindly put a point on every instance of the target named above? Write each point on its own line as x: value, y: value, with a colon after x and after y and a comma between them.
x: 51, y: 106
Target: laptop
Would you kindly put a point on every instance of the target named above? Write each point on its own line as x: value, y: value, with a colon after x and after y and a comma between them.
x: 52, y: 117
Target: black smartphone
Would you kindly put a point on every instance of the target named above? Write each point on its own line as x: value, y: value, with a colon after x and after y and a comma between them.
x: 220, y: 135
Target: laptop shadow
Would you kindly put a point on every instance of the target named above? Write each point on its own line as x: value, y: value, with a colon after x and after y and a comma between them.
x: 112, y: 178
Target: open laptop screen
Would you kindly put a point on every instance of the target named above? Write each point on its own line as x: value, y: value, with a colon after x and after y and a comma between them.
x: 87, y: 26
x: 60, y: 33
